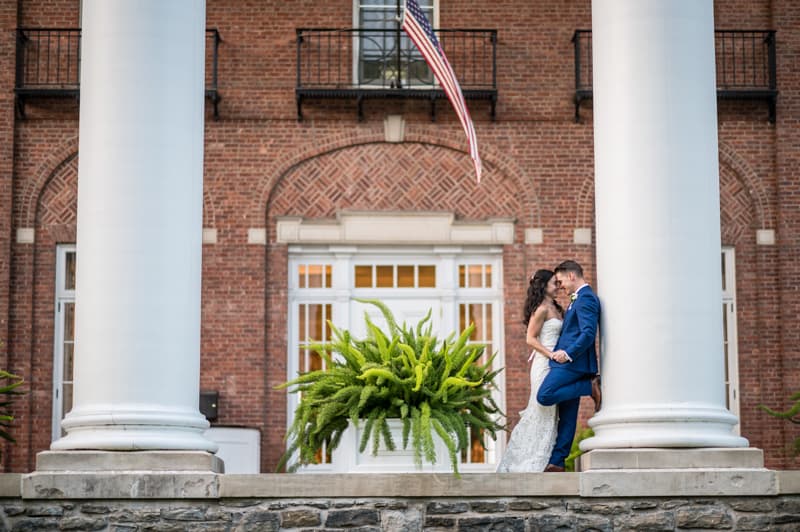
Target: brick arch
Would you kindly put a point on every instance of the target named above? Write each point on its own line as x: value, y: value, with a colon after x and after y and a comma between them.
x: 51, y: 199
x: 736, y: 206
x: 53, y: 161
x: 410, y: 176
x: 57, y: 204
x: 730, y: 160
x: 742, y: 194
x: 452, y: 141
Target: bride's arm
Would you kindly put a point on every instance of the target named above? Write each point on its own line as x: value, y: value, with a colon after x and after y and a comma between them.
x: 534, y: 328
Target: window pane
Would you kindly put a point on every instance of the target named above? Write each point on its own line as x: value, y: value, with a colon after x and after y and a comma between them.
x: 385, y: 276
x: 724, y: 281
x: 69, y: 349
x: 315, y: 322
x: 69, y: 321
x: 67, y: 399
x: 302, y: 332
x: 315, y: 276
x: 363, y: 276
x: 69, y: 271
x: 301, y: 276
x: 477, y: 452
x: 328, y: 276
x: 488, y: 276
x: 427, y: 276
x: 476, y: 316
x: 463, y: 318
x: 405, y: 277
x: 475, y: 276
x: 488, y: 331
x: 462, y: 279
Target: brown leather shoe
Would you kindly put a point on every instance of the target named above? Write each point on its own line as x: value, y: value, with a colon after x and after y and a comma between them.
x: 553, y: 469
x: 597, y: 394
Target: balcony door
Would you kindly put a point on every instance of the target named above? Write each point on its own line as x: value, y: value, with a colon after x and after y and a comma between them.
x: 64, y: 337
x: 384, y: 56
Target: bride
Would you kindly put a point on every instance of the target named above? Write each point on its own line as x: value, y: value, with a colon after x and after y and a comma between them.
x: 533, y: 438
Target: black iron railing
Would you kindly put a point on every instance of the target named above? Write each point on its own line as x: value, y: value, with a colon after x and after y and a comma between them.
x: 384, y: 63
x: 48, y: 64
x: 745, y: 63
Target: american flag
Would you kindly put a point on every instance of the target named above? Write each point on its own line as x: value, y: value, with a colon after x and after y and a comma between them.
x: 416, y: 25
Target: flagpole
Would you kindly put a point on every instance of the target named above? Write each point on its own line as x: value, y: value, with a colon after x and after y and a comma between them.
x: 399, y: 58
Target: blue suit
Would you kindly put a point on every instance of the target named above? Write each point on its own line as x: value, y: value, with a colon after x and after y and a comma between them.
x: 565, y: 384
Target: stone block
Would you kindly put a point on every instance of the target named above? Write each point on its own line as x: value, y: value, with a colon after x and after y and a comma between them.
x: 352, y: 518
x: 10, y: 484
x: 445, y: 507
x: 652, y: 522
x: 83, y: 523
x: 737, y: 458
x: 527, y: 506
x: 439, y: 521
x: 259, y: 521
x: 789, y: 482
x: 753, y: 505
x: 299, y: 518
x: 184, y: 514
x: 703, y: 517
x: 491, y: 524
x: 34, y: 524
x: 551, y: 522
x: 488, y: 507
x: 754, y: 522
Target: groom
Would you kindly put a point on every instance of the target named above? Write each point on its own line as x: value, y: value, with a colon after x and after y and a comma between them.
x: 573, y: 368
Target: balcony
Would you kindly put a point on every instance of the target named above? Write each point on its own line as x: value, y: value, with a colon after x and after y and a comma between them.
x: 361, y: 64
x: 49, y: 60
x: 745, y: 67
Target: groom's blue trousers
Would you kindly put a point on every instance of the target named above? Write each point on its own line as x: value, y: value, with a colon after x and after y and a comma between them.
x: 564, y: 388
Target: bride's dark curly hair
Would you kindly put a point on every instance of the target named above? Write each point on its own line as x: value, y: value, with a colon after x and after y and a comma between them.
x: 536, y: 294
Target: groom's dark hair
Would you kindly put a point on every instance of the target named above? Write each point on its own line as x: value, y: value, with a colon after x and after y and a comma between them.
x: 569, y: 266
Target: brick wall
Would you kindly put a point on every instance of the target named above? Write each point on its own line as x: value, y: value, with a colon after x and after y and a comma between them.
x: 260, y: 162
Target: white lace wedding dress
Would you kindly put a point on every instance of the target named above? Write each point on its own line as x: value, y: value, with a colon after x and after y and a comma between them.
x: 533, y: 438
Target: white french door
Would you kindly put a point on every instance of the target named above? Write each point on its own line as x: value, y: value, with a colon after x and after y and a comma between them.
x: 64, y: 337
x: 729, y: 334
x: 458, y: 286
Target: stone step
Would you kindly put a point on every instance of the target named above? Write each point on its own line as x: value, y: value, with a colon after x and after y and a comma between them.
x: 708, y: 458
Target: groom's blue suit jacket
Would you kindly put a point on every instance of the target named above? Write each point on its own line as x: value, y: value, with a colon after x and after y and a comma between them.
x: 579, y: 332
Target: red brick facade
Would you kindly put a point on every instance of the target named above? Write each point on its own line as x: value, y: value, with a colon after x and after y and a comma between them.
x: 261, y: 163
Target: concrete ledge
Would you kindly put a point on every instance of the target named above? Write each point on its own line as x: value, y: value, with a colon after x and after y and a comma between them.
x: 400, y: 485
x: 789, y: 482
x: 736, y: 458
x: 120, y: 485
x: 688, y: 483
x: 197, y: 461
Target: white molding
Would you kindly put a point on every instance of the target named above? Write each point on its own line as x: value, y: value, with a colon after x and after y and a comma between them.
x: 534, y: 235
x: 765, y: 237
x: 395, y: 228
x: 26, y: 235
x: 394, y: 128
x: 209, y: 235
x: 257, y: 235
x: 583, y: 236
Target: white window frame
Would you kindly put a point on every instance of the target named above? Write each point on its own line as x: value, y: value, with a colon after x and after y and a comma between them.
x: 62, y: 296
x: 357, y: 49
x: 729, y: 306
x: 343, y: 291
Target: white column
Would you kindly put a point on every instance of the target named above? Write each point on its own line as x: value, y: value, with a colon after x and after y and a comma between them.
x: 658, y: 226
x: 139, y: 228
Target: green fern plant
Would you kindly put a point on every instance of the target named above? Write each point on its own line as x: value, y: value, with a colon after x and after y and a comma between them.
x: 8, y: 389
x: 793, y: 415
x: 433, y: 386
x: 575, y: 451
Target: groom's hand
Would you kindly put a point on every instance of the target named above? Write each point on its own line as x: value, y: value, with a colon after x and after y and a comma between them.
x: 561, y: 356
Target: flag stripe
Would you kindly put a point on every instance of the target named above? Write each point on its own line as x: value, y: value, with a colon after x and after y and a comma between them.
x: 421, y: 33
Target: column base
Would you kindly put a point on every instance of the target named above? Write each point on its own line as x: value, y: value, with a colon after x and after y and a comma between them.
x: 94, y: 461
x: 660, y: 426
x: 616, y: 459
x: 675, y: 472
x: 130, y: 429
x: 124, y: 475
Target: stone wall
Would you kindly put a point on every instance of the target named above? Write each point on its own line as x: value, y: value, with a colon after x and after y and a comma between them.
x: 517, y: 514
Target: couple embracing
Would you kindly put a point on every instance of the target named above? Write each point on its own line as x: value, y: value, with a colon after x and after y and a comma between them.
x: 563, y: 369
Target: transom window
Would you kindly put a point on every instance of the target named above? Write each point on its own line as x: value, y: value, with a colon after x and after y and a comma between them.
x: 395, y: 276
